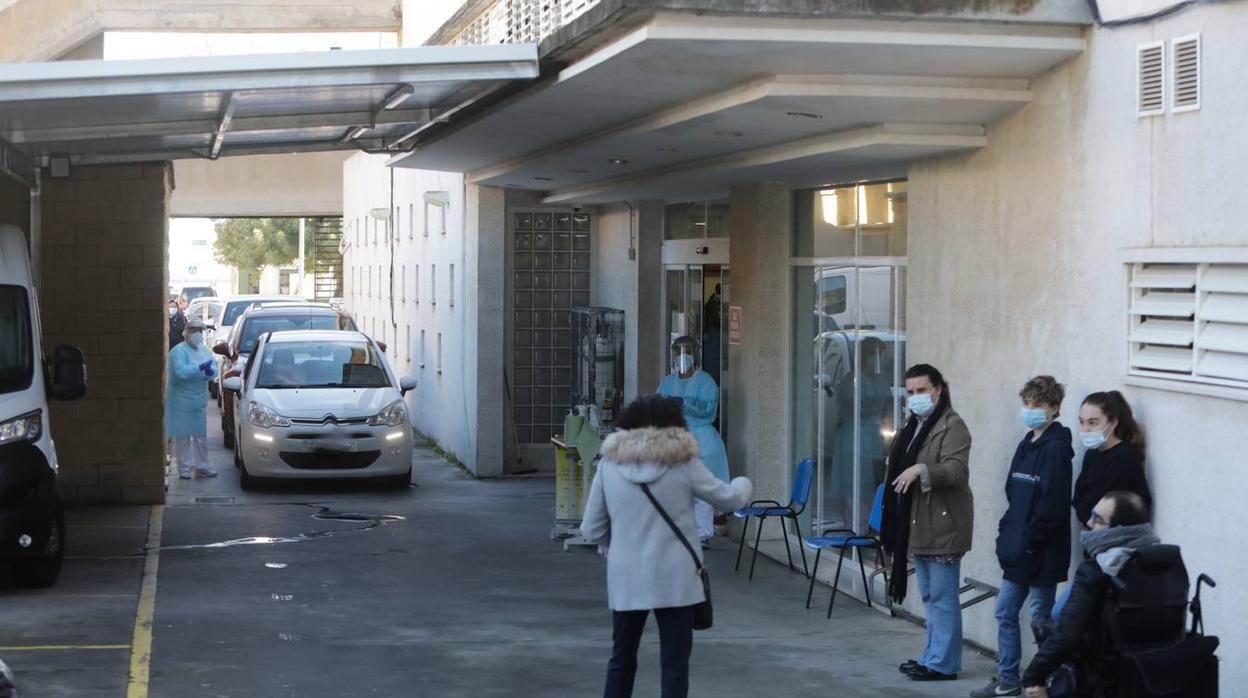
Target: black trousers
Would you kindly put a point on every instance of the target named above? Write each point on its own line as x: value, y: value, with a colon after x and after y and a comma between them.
x: 675, y: 645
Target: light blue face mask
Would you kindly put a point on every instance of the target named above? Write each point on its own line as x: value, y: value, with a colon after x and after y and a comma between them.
x: 684, y: 363
x: 196, y: 338
x: 921, y: 405
x: 1033, y: 418
x: 1092, y: 439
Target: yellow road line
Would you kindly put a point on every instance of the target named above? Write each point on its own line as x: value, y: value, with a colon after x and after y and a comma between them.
x: 141, y: 646
x: 51, y: 648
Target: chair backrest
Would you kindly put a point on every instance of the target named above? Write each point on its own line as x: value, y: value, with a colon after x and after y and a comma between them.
x: 876, y: 521
x: 803, y: 478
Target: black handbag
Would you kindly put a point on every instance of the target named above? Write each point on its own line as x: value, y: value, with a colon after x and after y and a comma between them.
x: 703, y: 613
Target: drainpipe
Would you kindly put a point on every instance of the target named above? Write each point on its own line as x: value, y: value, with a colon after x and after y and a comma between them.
x: 36, y: 231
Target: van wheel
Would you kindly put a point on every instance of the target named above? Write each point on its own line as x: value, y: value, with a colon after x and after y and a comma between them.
x: 42, y: 572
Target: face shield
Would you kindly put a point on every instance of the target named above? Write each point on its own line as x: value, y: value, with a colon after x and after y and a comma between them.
x: 686, y: 356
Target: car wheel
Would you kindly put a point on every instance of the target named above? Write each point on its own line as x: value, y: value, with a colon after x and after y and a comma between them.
x: 238, y: 460
x: 398, y: 482
x: 42, y: 572
x: 245, y: 479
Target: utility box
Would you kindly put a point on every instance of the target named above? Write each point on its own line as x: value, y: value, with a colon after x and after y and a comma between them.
x: 598, y: 378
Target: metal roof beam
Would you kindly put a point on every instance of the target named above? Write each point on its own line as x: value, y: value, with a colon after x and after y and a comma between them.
x: 218, y: 138
x: 15, y: 164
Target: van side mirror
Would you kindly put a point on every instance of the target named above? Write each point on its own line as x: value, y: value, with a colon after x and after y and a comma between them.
x: 67, y: 373
x: 407, y: 384
x: 381, y: 346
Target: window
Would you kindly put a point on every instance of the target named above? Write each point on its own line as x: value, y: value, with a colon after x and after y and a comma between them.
x: 416, y: 285
x: 370, y: 282
x: 17, y: 357
x: 403, y: 288
x: 433, y: 284
x: 1189, y: 322
x: 436, y: 203
x: 439, y: 353
x: 383, y: 333
x: 411, y: 221
x: 422, y: 348
x: 408, y: 342
x: 451, y: 292
x: 397, y: 222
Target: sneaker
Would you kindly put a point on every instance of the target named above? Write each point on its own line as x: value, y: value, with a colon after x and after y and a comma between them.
x: 996, y: 688
x: 909, y: 665
x: 925, y: 674
x: 184, y: 475
x: 706, y: 543
x: 206, y: 473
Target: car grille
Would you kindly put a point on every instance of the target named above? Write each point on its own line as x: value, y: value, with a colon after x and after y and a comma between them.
x: 331, y: 419
x: 330, y: 460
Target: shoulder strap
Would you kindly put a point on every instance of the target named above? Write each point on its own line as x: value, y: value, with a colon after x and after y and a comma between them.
x: 675, y: 529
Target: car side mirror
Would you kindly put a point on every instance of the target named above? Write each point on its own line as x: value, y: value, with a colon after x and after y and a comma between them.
x: 407, y: 384
x: 381, y: 346
x: 221, y: 349
x: 232, y: 383
x: 68, y: 369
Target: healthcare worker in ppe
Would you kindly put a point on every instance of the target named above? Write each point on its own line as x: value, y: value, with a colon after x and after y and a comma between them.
x: 186, y: 401
x: 700, y: 406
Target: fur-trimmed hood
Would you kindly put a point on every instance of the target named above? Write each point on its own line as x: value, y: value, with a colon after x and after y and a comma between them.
x: 643, y: 455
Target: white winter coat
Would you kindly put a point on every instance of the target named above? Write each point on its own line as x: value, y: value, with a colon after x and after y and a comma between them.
x: 647, y: 566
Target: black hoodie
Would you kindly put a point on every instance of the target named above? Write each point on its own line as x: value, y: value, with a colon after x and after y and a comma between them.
x: 1033, y: 545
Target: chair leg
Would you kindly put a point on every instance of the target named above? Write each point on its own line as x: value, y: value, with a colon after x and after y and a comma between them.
x: 741, y: 546
x: 837, y: 580
x: 810, y: 591
x: 797, y: 531
x: 758, y: 535
x: 863, y: 569
x: 787, y: 550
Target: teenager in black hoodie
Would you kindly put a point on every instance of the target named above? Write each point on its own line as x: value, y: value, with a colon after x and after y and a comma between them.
x: 1033, y: 545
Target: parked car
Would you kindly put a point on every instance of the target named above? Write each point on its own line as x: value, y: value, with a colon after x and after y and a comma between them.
x: 321, y: 404
x: 234, y: 309
x: 32, y: 523
x: 257, y: 322
x: 191, y: 293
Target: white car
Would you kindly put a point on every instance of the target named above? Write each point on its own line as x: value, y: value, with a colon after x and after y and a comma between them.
x: 316, y: 404
x: 233, y: 310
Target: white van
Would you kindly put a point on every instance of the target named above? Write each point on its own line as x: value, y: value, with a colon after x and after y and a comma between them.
x: 32, y: 525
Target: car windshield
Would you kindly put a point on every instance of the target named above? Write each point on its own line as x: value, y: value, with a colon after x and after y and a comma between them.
x: 255, y: 327
x: 17, y: 365
x: 351, y: 363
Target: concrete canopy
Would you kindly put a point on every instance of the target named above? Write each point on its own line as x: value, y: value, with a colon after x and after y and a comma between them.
x: 207, y: 107
x: 683, y: 107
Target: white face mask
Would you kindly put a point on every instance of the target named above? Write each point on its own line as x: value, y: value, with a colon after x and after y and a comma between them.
x: 196, y: 338
x: 921, y: 404
x: 1092, y: 439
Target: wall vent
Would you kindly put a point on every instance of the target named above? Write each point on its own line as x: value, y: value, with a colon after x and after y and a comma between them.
x: 1151, y: 79
x: 1185, y: 69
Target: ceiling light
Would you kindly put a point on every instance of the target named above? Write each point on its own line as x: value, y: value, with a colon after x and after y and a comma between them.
x: 730, y: 134
x: 544, y: 179
x: 578, y: 171
x: 398, y: 97
x: 617, y: 161
x: 804, y: 114
x: 667, y: 150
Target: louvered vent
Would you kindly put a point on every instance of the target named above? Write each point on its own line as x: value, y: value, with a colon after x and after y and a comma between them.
x: 1151, y: 82
x: 1190, y: 322
x: 1185, y: 68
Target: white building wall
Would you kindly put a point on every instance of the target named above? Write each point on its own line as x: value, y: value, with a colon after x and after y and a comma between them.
x: 191, y: 261
x: 1061, y: 190
x: 426, y: 305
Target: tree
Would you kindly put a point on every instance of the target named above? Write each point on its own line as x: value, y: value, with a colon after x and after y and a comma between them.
x: 250, y: 244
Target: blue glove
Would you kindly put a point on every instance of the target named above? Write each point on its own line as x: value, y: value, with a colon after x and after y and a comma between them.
x: 206, y: 365
x: 210, y: 372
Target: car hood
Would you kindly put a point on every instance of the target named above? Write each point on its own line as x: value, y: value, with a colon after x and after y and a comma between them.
x: 316, y: 403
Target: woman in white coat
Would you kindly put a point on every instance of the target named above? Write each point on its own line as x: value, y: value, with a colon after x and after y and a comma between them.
x: 648, y: 568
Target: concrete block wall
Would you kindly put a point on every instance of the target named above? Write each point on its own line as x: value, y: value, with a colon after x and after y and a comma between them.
x: 104, y: 288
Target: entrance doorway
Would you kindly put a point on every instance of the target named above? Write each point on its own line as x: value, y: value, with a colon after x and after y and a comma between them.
x: 696, y: 288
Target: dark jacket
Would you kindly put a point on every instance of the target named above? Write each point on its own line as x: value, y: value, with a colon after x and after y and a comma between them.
x: 943, y: 511
x: 177, y: 323
x: 1033, y: 543
x: 1080, y: 633
x: 1117, y: 468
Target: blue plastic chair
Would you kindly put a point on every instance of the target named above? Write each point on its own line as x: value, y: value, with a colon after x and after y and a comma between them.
x: 761, y: 509
x: 844, y: 540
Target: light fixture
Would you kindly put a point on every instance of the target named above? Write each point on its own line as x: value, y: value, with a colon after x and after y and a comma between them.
x: 729, y: 134
x: 665, y: 149
x: 358, y: 132
x: 804, y: 114
x: 578, y: 171
x: 544, y: 179
x: 58, y: 167
x: 617, y: 161
x: 381, y: 214
x: 399, y: 96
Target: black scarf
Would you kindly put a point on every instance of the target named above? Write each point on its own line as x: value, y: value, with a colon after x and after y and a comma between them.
x: 895, y: 532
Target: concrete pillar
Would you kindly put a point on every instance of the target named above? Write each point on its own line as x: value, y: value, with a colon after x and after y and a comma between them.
x: 758, y: 380
x: 485, y: 306
x: 645, y: 327
x: 14, y: 203
x: 105, y: 280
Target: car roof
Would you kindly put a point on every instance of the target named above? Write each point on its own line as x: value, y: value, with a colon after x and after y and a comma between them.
x: 253, y: 297
x: 292, y: 309
x: 316, y: 336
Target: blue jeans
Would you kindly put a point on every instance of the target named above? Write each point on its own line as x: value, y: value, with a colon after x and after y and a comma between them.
x: 675, y: 646
x: 938, y: 585
x: 1061, y: 602
x: 1009, y: 638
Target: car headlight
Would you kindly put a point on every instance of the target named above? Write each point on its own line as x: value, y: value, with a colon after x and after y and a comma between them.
x: 27, y: 427
x: 265, y: 417
x: 392, y: 416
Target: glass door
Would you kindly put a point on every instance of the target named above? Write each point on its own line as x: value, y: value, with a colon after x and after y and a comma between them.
x: 696, y: 305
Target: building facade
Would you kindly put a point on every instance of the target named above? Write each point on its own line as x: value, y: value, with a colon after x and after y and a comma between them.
x: 823, y: 199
